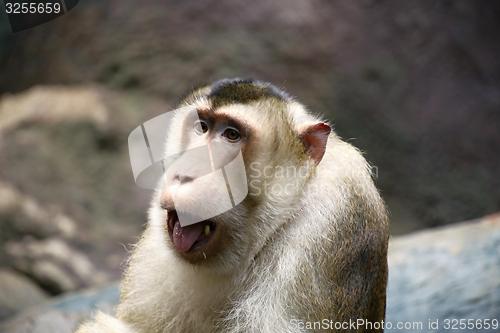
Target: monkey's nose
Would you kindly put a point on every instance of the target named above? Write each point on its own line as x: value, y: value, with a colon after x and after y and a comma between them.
x: 182, y: 179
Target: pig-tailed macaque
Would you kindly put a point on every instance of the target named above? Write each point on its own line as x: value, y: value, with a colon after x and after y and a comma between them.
x: 304, y: 249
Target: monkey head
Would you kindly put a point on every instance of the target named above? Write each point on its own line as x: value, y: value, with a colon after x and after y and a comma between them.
x: 244, y: 137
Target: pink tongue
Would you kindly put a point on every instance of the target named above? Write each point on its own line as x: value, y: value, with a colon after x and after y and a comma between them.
x: 184, y: 237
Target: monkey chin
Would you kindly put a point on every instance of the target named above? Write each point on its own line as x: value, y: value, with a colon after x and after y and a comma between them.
x: 197, y: 243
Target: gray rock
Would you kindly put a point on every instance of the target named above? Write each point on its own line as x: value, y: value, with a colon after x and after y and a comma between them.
x: 17, y: 292
x: 446, y: 273
x: 50, y: 105
x: 54, y: 264
x: 22, y: 215
x: 63, y: 314
x: 39, y: 241
x: 65, y: 176
x: 452, y: 272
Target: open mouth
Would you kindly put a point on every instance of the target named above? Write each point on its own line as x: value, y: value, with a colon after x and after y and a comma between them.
x: 194, y: 237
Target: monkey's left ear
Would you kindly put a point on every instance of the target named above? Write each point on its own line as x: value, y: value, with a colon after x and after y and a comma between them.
x: 315, y: 137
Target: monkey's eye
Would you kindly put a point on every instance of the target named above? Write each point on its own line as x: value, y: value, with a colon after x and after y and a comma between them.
x: 200, y: 127
x: 232, y: 134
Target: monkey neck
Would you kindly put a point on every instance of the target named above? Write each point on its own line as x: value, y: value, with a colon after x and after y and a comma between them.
x: 172, y: 293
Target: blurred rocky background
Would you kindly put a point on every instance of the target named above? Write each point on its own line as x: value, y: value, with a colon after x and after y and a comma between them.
x: 436, y: 282
x: 414, y: 84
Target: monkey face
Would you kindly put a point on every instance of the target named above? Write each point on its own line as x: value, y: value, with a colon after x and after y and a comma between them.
x: 204, y: 178
x: 208, y: 216
x: 231, y: 175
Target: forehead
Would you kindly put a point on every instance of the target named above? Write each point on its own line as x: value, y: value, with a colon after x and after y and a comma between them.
x: 226, y: 92
x: 245, y: 114
x: 250, y: 101
x: 235, y: 91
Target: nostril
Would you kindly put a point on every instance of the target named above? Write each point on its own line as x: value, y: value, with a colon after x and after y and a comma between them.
x: 183, y: 179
